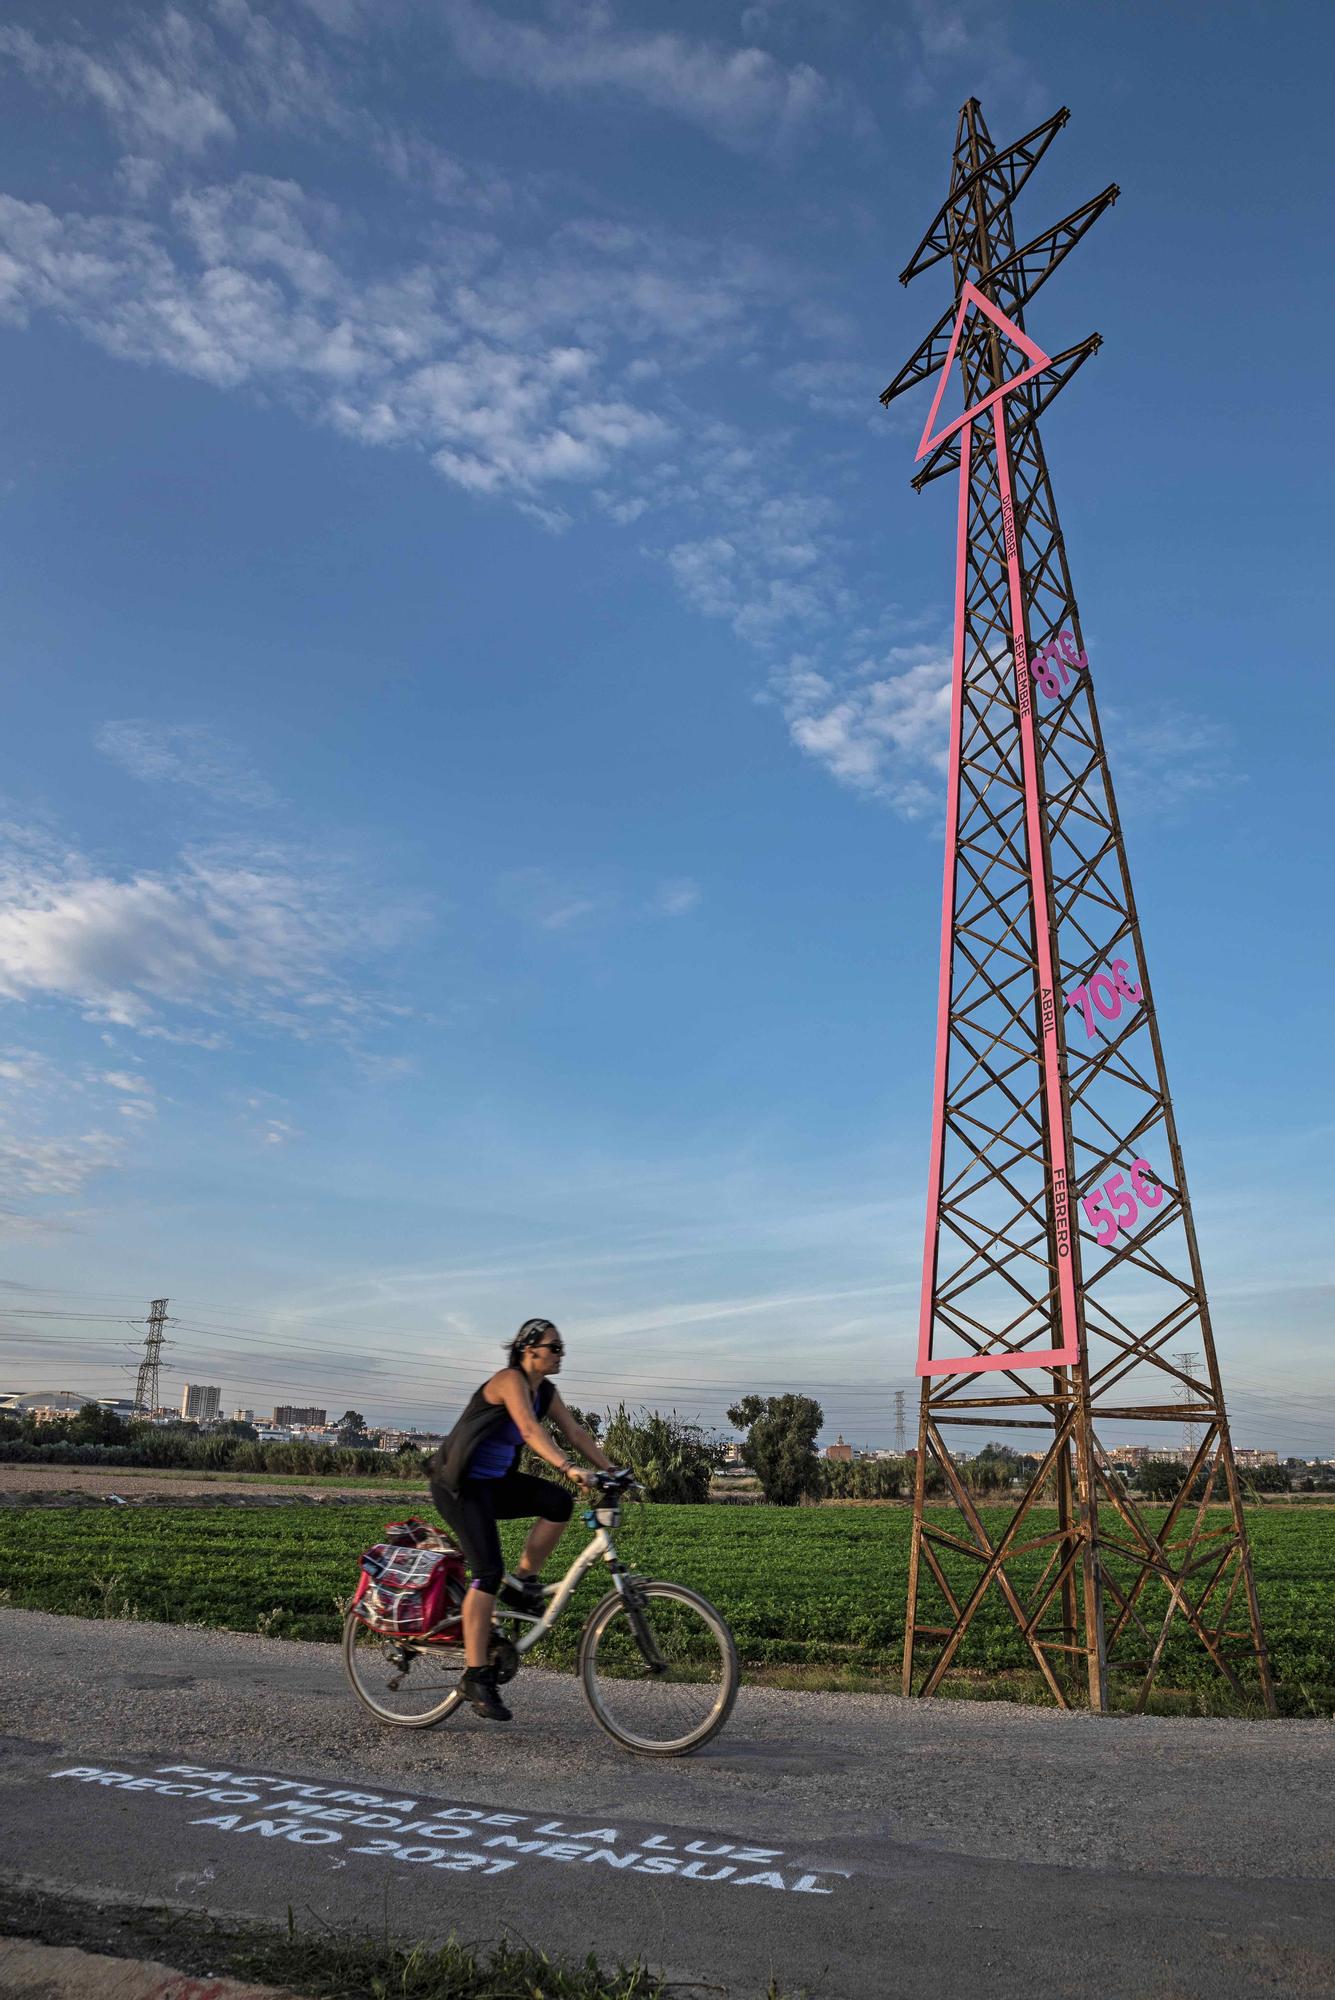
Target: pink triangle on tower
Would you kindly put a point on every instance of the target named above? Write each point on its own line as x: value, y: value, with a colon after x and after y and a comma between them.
x: 971, y: 296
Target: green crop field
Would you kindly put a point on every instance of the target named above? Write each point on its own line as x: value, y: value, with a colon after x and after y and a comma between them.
x: 813, y: 1594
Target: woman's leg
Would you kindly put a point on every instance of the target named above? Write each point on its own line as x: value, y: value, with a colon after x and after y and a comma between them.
x: 541, y: 1540
x: 471, y: 1514
x: 478, y: 1608
x: 524, y: 1493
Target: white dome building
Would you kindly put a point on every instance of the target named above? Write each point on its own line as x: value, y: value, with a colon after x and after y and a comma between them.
x: 63, y: 1402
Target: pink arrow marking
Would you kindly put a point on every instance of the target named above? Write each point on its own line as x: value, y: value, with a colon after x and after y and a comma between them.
x: 971, y: 296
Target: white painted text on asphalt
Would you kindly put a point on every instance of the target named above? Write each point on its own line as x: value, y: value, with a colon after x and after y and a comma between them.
x: 479, y: 1841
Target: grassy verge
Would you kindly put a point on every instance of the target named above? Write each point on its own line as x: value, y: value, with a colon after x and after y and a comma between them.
x: 325, y: 1964
x: 815, y: 1596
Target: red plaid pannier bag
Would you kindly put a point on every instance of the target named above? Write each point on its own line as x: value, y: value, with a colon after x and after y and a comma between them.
x: 412, y: 1585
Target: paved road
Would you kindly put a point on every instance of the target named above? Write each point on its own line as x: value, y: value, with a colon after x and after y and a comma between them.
x: 855, y: 1844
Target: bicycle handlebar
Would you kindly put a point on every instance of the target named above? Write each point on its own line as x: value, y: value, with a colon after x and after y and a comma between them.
x: 615, y: 1482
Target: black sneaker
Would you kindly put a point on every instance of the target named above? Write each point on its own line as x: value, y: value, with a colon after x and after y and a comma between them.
x: 524, y: 1593
x: 479, y: 1685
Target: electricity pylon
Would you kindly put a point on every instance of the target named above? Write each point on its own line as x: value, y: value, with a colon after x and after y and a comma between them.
x: 146, y: 1393
x: 1189, y: 1363
x: 1061, y: 1260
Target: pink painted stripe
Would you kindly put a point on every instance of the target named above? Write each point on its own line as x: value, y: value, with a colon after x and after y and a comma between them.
x: 1061, y: 1191
x: 974, y: 1364
x: 1050, y: 1357
x: 925, y: 1366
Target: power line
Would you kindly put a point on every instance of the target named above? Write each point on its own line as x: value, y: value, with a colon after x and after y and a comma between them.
x: 439, y: 1382
x: 446, y: 1379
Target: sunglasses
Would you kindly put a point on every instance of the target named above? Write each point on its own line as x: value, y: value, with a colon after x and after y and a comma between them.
x: 556, y: 1346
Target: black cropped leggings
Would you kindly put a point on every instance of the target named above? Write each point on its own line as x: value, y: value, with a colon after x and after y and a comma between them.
x: 480, y: 1503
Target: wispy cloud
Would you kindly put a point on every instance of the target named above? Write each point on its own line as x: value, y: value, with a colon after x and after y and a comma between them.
x: 185, y: 753
x: 947, y: 45
x: 505, y: 370
x: 34, y: 1168
x: 24, y: 1069
x: 561, y: 372
x: 181, y: 82
x: 149, y: 90
x: 342, y: 17
x: 139, y: 1095
x: 1166, y: 757
x: 879, y: 728
x: 742, y: 97
x: 120, y: 1079
x: 48, y: 1151
x: 268, y: 1119
x: 676, y: 898
x: 833, y: 387
x: 427, y: 168
x: 258, y: 934
x: 549, y: 901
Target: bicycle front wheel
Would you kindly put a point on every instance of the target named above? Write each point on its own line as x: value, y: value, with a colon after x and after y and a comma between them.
x: 659, y: 1668
x: 412, y: 1687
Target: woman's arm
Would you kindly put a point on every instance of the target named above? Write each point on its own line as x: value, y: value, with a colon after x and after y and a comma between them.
x: 515, y: 1395
x: 576, y: 1436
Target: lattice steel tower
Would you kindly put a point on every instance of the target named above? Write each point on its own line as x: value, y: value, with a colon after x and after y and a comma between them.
x: 146, y: 1391
x: 1061, y: 1275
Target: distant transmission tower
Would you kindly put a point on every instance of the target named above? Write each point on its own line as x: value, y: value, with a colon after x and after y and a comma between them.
x: 146, y: 1395
x: 901, y: 1427
x: 1189, y: 1393
x: 1061, y: 1267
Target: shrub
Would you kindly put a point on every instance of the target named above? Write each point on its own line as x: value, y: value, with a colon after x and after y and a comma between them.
x: 672, y: 1460
x: 864, y: 1478
x: 780, y: 1444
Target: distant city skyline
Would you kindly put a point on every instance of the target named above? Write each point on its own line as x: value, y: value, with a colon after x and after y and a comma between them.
x: 1261, y: 1420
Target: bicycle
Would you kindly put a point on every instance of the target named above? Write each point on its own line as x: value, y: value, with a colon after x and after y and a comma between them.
x: 657, y: 1661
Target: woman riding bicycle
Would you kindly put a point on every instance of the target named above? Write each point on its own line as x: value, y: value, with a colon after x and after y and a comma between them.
x: 475, y: 1484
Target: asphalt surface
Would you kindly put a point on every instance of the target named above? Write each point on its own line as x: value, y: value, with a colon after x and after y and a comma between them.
x: 847, y: 1844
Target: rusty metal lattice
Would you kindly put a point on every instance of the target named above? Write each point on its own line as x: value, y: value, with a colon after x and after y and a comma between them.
x: 1052, y: 1121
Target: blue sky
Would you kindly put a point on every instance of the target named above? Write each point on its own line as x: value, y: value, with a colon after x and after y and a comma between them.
x: 475, y: 674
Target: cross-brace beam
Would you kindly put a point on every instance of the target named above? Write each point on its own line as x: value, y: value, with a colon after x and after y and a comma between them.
x: 1012, y: 283
x: 1003, y: 175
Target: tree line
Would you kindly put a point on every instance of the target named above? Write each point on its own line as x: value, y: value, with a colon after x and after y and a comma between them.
x: 674, y: 1460
x: 94, y: 1436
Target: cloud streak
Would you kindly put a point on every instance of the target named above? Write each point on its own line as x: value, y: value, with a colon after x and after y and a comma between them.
x: 184, y: 753
x: 557, y: 371
x: 552, y: 903
x: 506, y: 371
x: 251, y: 933
x: 149, y: 94
x: 1166, y: 757
x: 879, y: 729
x: 40, y: 1162
x: 743, y: 97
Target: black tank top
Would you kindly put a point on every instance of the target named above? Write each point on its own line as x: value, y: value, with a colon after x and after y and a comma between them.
x: 480, y: 1420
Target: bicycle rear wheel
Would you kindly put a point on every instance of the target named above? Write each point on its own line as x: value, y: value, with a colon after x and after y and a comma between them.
x: 409, y: 1686
x: 659, y: 1669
